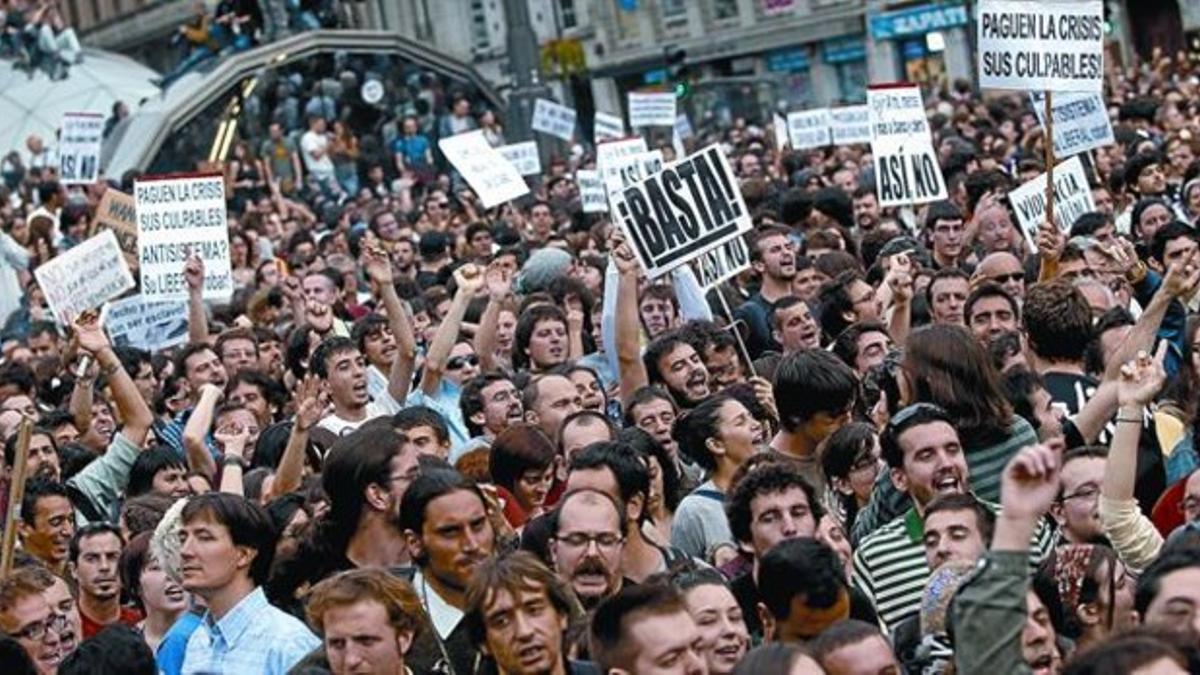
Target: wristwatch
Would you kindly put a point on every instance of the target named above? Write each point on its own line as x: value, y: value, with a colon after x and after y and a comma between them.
x: 234, y: 460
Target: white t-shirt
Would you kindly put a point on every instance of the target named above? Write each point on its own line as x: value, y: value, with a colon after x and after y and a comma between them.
x: 311, y: 143
x: 383, y: 405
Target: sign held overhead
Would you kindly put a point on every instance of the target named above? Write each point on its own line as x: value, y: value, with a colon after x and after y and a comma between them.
x: 1072, y: 198
x: 178, y: 215
x: 1080, y: 121
x: 679, y: 214
x: 84, y: 277
x: 906, y: 165
x: 554, y: 119
x: 651, y: 109
x: 491, y: 176
x: 1049, y: 45
x: 808, y: 129
x: 79, y: 148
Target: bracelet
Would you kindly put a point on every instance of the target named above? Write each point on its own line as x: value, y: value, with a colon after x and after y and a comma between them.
x: 234, y: 460
x: 1129, y: 420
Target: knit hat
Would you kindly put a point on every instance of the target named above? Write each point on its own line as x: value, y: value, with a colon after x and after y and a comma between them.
x: 543, y: 267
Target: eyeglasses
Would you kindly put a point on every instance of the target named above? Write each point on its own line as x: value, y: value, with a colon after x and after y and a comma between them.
x: 1088, y: 492
x: 37, y: 631
x: 605, y: 541
x: 1189, y: 505
x: 1006, y: 278
x: 459, y: 362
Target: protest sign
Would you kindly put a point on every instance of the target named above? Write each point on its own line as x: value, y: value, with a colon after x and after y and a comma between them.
x: 682, y: 212
x: 178, y: 215
x: 721, y: 263
x: 1072, y: 198
x: 79, y: 148
x: 850, y: 124
x: 1049, y: 45
x: 554, y: 119
x: 625, y: 171
x: 491, y: 176
x: 614, y: 150
x: 781, y: 135
x: 606, y: 127
x: 808, y: 129
x: 683, y: 127
x: 524, y: 156
x: 116, y: 212
x: 151, y: 326
x: 906, y: 165
x: 1080, y: 121
x: 84, y: 276
x: 651, y: 109
x: 592, y: 195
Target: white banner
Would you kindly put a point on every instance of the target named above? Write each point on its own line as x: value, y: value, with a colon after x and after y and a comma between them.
x: 607, y: 127
x: 177, y: 216
x: 850, y: 124
x: 651, y: 109
x: 1080, y: 121
x: 721, y: 263
x: 1055, y: 45
x: 524, y: 156
x: 906, y: 165
x: 625, y: 171
x: 554, y: 119
x: 1072, y: 198
x: 491, y: 176
x: 145, y: 325
x: 808, y: 129
x: 84, y: 276
x: 679, y: 214
x: 614, y: 150
x: 79, y: 148
x: 592, y: 195
x: 781, y: 131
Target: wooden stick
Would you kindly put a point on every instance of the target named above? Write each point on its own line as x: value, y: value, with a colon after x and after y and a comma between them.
x: 1048, y: 142
x: 16, y: 492
x: 737, y: 334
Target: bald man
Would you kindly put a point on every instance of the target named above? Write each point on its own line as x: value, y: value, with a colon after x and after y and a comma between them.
x: 1005, y: 269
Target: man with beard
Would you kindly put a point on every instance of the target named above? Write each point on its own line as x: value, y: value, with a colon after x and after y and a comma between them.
x: 95, y: 554
x: 866, y: 209
x: 490, y: 403
x: 817, y: 394
x: 446, y: 524
x: 995, y: 232
x: 518, y: 613
x: 773, y: 257
x: 926, y: 460
x: 671, y: 362
x: 587, y: 540
x: 364, y: 477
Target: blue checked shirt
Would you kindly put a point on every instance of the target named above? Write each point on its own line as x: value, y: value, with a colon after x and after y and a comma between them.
x: 254, y: 637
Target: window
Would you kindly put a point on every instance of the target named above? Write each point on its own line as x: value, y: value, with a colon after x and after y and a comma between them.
x: 479, y: 27
x: 566, y: 11
x: 725, y: 9
x: 672, y: 9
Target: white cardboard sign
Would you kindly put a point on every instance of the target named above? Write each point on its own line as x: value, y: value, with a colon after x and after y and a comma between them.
x: 79, y: 148
x: 1072, y: 198
x: 721, y: 263
x: 84, y: 276
x: 781, y: 131
x: 651, y: 109
x: 1055, y: 45
x: 850, y: 124
x: 553, y: 118
x: 808, y: 129
x: 906, y: 165
x: 592, y: 195
x: 524, y: 156
x: 607, y: 127
x: 491, y: 176
x: 178, y: 215
x: 1080, y: 121
x: 625, y: 171
x: 146, y: 325
x: 682, y: 212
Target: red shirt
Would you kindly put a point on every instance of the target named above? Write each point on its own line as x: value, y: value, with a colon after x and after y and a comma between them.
x: 129, y: 616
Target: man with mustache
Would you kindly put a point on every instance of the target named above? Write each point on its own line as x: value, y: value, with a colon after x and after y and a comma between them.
x: 95, y: 554
x: 926, y: 460
x: 587, y: 540
x: 446, y: 523
x: 519, y: 612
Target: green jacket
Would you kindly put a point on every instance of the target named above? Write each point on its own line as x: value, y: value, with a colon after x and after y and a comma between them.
x: 989, y: 616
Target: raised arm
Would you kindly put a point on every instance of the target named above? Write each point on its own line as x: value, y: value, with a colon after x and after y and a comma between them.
x: 132, y: 408
x: 379, y: 269
x: 629, y: 357
x: 193, y: 274
x: 233, y: 440
x: 468, y: 279
x: 899, y: 286
x: 499, y: 286
x: 311, y: 405
x: 198, y: 424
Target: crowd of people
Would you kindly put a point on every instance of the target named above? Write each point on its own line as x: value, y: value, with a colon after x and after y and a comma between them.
x: 36, y: 35
x: 432, y: 437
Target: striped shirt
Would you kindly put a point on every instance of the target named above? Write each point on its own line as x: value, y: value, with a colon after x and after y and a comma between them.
x: 890, y: 568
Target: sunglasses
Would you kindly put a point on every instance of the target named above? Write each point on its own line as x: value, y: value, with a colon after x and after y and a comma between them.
x: 459, y: 362
x: 901, y: 418
x: 1005, y: 278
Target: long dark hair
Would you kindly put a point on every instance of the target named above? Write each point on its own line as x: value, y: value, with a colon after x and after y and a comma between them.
x: 947, y: 366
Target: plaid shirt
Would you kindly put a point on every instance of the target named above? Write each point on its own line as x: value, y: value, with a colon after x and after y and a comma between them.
x: 254, y: 637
